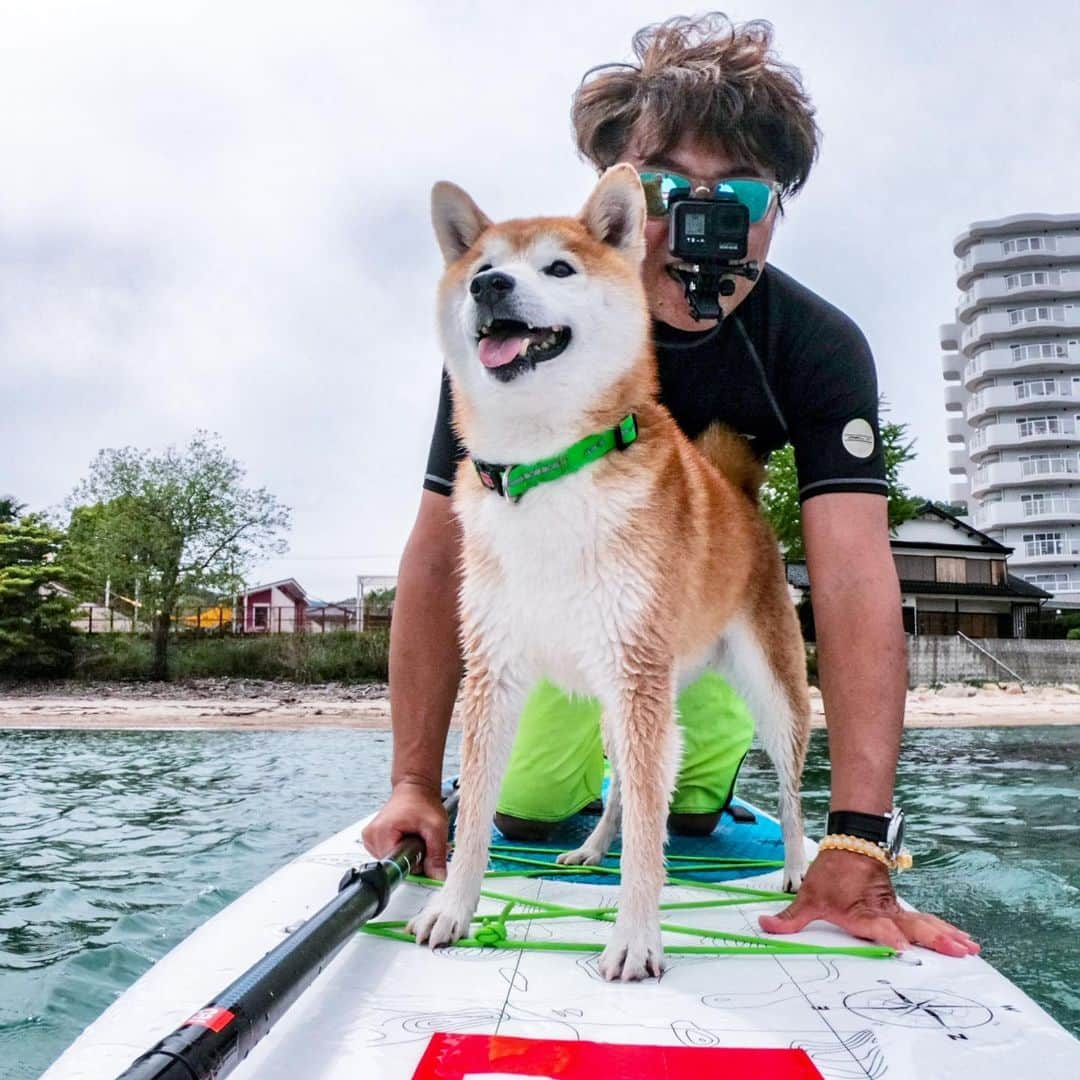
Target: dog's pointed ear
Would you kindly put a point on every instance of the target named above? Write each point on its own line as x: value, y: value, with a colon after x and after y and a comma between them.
x: 457, y: 219
x: 615, y: 212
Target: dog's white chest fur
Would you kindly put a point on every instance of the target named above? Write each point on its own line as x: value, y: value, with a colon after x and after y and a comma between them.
x: 565, y: 589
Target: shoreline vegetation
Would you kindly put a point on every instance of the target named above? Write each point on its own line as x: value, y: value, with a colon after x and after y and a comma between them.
x: 337, y: 656
x: 230, y: 704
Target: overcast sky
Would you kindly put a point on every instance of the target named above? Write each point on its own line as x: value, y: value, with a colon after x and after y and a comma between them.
x: 216, y: 215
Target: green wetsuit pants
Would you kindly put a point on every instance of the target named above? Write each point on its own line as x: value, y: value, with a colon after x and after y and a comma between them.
x: 557, y: 763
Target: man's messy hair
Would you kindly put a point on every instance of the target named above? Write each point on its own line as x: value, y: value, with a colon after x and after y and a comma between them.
x: 707, y: 78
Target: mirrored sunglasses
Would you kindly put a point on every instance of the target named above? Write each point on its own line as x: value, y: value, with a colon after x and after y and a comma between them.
x: 756, y: 195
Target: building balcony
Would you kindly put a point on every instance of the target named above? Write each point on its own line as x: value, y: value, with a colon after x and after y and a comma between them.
x: 1018, y: 286
x: 1029, y: 433
x: 1006, y: 253
x: 990, y: 517
x: 952, y: 366
x: 1004, y: 474
x: 1055, y: 510
x: 1048, y: 551
x: 958, y: 462
x: 1030, y: 394
x: 1021, y: 358
x: 949, y: 336
x: 1026, y: 322
x: 1064, y: 586
x: 956, y: 429
x: 955, y: 396
x: 959, y: 492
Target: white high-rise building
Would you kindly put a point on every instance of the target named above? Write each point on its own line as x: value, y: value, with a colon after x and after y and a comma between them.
x: 1012, y: 371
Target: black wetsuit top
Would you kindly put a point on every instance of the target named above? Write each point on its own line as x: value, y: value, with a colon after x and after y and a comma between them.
x: 786, y: 366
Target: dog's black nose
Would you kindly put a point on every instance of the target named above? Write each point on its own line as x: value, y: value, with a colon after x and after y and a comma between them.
x: 491, y: 287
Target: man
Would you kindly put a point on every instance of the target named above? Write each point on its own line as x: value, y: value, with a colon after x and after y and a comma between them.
x: 706, y: 102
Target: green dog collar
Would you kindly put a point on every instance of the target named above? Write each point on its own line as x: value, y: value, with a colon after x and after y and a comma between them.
x: 512, y: 481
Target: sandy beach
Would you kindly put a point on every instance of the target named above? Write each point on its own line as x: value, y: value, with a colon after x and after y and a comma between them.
x: 244, y: 704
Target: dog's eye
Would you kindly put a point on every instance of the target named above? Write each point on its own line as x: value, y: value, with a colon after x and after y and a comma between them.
x: 481, y: 269
x: 559, y: 268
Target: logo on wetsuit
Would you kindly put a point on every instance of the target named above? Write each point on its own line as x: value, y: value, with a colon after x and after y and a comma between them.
x: 858, y: 438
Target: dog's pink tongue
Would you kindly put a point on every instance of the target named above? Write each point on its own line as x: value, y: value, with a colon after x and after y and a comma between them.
x: 496, y: 353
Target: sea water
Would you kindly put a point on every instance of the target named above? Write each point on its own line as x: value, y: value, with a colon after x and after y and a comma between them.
x: 116, y: 845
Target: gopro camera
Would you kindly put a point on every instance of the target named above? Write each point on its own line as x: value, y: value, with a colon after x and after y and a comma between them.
x: 708, y: 229
x: 709, y: 235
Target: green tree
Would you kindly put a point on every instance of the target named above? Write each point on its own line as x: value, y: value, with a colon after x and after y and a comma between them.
x: 9, y: 508
x: 780, y: 492
x: 172, y: 525
x: 957, y: 509
x: 379, y: 599
x: 36, y: 606
x: 87, y: 529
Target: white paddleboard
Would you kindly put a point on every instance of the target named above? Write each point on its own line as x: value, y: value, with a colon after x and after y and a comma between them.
x: 374, y: 1009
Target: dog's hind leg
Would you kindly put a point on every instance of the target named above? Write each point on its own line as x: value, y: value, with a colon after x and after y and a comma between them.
x: 492, y: 703
x: 645, y: 741
x: 772, y: 679
x: 592, y: 852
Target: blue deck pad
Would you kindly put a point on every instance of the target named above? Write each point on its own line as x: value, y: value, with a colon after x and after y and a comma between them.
x: 730, y: 839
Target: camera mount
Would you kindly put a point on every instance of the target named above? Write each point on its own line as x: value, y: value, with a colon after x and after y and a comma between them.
x: 704, y: 283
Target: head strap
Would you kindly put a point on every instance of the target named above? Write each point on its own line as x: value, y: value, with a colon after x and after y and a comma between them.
x: 512, y: 481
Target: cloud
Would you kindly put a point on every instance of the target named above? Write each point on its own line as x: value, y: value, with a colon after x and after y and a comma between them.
x: 217, y: 216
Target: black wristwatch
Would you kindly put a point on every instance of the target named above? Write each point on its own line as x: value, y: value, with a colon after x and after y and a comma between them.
x: 885, y: 830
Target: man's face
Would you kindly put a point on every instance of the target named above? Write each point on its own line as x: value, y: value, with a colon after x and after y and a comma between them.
x: 691, y: 159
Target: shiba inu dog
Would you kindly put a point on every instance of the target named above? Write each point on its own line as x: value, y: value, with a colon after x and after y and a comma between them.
x: 616, y: 559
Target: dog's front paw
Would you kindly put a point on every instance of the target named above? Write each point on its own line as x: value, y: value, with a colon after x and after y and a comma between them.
x: 582, y: 856
x: 442, y: 922
x: 632, y: 954
x: 794, y: 872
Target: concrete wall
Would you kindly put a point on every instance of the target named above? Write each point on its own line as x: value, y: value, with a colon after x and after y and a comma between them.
x: 951, y: 659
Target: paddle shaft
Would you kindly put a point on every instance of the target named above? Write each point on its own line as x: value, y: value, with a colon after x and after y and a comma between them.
x: 210, y: 1044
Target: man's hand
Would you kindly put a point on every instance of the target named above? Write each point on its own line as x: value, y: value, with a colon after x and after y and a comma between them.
x: 412, y: 810
x: 854, y: 892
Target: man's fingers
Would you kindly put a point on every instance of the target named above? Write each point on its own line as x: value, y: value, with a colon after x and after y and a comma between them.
x: 899, y: 931
x: 934, y: 933
x: 856, y: 895
x: 878, y: 928
x: 434, y: 837
x: 792, y: 919
x: 379, y: 839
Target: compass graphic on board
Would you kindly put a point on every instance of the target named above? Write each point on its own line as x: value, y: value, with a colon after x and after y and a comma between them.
x: 916, y: 1007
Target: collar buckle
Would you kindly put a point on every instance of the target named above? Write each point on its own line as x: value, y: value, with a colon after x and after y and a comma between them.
x: 625, y: 431
x: 492, y: 476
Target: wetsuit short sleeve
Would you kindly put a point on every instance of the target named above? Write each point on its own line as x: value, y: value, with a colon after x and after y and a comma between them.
x: 446, y: 450
x: 833, y: 415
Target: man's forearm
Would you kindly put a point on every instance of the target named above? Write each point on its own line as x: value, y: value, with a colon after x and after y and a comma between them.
x: 425, y: 665
x: 862, y: 664
x: 863, y: 671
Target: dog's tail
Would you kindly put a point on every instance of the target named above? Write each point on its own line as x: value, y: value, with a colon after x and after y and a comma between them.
x: 730, y: 454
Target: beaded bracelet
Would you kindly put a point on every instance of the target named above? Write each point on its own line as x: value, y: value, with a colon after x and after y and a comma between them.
x: 856, y: 844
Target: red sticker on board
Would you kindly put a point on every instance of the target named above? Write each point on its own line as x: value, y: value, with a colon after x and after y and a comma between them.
x: 214, y: 1019
x: 457, y: 1057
